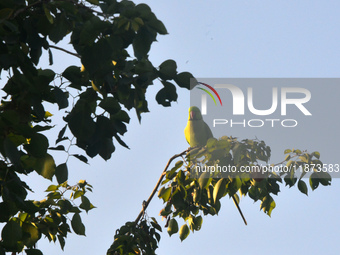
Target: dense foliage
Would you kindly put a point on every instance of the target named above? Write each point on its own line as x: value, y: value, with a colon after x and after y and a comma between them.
x: 112, y: 39
x: 188, y: 193
x: 103, y: 34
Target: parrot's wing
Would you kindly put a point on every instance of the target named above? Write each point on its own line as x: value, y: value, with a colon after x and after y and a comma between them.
x: 187, y: 131
x: 197, y: 133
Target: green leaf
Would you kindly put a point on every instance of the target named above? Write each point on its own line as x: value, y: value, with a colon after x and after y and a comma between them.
x: 33, y: 232
x: 177, y: 199
x: 219, y: 189
x: 61, y: 173
x: 80, y: 157
x: 78, y: 193
x: 316, y: 154
x: 48, y: 14
x: 11, y: 234
x: 155, y: 224
x: 7, y: 210
x: 184, y: 232
x: 178, y: 165
x: 45, y: 166
x: 287, y: 157
x: 204, y: 180
x: 33, y: 252
x: 90, y: 30
x: 142, y: 42
x: 144, y: 10
x: 61, y: 27
x: 12, y: 152
x: 61, y: 135
x: 195, y: 223
x: 183, y: 79
x: 325, y: 178
x: 58, y: 148
x: 287, y: 151
x: 303, y: 187
x: 52, y: 188
x: 168, y: 70
x: 110, y: 105
x: 50, y: 57
x: 62, y: 242
x: 238, y: 152
x: 61, y: 98
x: 38, y: 145
x: 172, y: 227
x: 65, y: 206
x: 73, y: 74
x: 86, y: 204
x: 167, y: 94
x: 35, y: 53
x: 198, y: 222
x: 121, y: 142
x: 158, y: 26
x: 234, y: 185
x: 106, y: 148
x: 80, y: 121
x: 77, y: 225
x: 314, y: 181
x: 164, y: 193
x: 268, y: 204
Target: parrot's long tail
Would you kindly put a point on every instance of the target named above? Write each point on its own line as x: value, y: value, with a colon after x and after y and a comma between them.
x: 239, y: 209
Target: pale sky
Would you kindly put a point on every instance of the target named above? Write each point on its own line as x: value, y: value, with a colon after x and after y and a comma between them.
x: 221, y: 39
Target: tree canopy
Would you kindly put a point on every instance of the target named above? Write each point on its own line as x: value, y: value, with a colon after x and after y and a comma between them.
x: 112, y: 39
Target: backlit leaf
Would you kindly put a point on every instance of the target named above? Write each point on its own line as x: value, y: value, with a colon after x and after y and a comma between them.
x: 77, y: 225
x: 172, y: 227
x: 204, y: 180
x: 184, y: 232
x: 45, y: 166
x: 219, y: 189
x: 303, y: 187
x: 11, y: 233
x: 61, y: 173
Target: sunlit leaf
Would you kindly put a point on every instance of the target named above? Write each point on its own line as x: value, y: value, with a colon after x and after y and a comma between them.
x: 219, y: 189
x: 184, y: 232
x: 204, y: 180
x: 45, y: 166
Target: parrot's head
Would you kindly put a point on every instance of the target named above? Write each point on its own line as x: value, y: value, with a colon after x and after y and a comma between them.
x: 194, y: 113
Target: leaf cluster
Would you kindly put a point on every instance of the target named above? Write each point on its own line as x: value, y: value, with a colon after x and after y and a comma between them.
x: 189, y: 194
x: 112, y: 39
x: 141, y: 238
x: 28, y: 221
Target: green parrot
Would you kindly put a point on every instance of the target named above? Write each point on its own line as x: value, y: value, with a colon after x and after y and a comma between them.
x: 197, y: 132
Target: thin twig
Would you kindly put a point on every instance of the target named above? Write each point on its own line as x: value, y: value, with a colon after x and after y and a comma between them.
x: 146, y: 204
x: 239, y: 209
x: 69, y: 52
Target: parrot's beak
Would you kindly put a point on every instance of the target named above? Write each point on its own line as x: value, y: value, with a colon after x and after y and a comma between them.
x: 192, y: 115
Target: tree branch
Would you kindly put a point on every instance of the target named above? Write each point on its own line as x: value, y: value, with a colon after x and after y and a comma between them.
x: 69, y: 52
x: 146, y: 203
